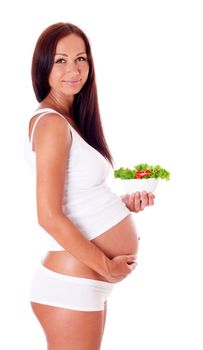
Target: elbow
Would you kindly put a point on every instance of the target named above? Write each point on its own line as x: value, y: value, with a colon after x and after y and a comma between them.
x: 47, y: 219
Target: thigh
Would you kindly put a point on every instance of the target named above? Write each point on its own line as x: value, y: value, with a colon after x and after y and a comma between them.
x: 69, y: 329
x: 104, y: 315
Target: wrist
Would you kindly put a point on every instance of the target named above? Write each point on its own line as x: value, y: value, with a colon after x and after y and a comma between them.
x: 98, y: 261
x: 105, y: 267
x: 124, y: 199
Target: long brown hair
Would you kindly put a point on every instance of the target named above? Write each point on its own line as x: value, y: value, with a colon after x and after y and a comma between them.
x: 85, y: 107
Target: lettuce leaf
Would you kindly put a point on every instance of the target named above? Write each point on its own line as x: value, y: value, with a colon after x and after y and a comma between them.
x: 156, y: 172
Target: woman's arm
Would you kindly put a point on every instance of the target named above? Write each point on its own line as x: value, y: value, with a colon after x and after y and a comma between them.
x: 52, y: 142
x: 137, y: 201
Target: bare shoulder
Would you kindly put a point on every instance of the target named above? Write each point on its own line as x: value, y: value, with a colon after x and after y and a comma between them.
x: 49, y: 129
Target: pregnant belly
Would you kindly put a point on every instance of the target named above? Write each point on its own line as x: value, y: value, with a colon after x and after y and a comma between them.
x: 121, y: 239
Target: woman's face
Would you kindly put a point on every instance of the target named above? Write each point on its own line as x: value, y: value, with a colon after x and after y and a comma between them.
x: 70, y: 69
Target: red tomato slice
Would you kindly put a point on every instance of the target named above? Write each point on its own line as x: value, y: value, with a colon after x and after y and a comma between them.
x: 141, y: 173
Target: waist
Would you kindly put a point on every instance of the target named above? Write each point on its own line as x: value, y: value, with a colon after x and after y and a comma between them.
x: 64, y: 263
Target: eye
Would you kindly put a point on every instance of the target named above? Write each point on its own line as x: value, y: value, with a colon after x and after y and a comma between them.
x: 60, y: 60
x: 81, y: 59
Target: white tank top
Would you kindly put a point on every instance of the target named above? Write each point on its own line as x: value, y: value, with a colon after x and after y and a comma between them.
x: 87, y: 200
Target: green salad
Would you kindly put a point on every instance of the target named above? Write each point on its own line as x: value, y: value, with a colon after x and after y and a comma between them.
x: 142, y: 171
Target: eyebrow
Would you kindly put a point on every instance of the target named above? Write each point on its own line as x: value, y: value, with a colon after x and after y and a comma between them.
x: 64, y: 54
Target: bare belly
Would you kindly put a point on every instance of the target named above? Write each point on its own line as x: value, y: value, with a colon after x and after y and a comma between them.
x: 121, y: 239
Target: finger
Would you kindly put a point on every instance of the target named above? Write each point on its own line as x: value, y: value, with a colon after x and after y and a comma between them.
x: 132, y: 202
x: 137, y: 207
x: 131, y: 259
x: 151, y: 197
x: 144, y: 199
x: 132, y: 266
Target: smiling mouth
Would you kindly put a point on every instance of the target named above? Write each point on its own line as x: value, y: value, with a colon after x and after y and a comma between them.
x: 72, y: 82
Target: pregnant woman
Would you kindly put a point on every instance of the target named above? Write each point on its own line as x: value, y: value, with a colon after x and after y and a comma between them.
x: 93, y: 239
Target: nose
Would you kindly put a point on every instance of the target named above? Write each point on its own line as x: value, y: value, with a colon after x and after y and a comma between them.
x: 72, y: 68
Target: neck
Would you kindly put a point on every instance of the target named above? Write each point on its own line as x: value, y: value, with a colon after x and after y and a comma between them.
x: 64, y: 106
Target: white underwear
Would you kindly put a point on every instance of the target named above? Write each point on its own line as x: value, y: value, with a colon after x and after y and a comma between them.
x: 69, y: 292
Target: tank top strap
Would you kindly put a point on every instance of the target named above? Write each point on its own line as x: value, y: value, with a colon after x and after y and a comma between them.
x: 42, y: 112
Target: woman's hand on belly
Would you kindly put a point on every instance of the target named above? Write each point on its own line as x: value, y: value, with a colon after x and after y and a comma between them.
x: 120, y: 267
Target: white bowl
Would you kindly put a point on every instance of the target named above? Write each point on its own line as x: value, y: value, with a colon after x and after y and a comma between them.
x: 133, y: 185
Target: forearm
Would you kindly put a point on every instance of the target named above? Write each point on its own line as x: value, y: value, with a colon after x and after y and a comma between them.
x: 70, y: 238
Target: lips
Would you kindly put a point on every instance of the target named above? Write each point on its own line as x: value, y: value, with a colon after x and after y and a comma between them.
x: 71, y: 81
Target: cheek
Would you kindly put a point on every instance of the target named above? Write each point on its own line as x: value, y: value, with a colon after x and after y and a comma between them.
x: 54, y: 76
x: 86, y: 74
x: 85, y: 71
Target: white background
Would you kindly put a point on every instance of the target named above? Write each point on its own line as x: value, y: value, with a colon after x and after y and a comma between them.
x: 148, y: 58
